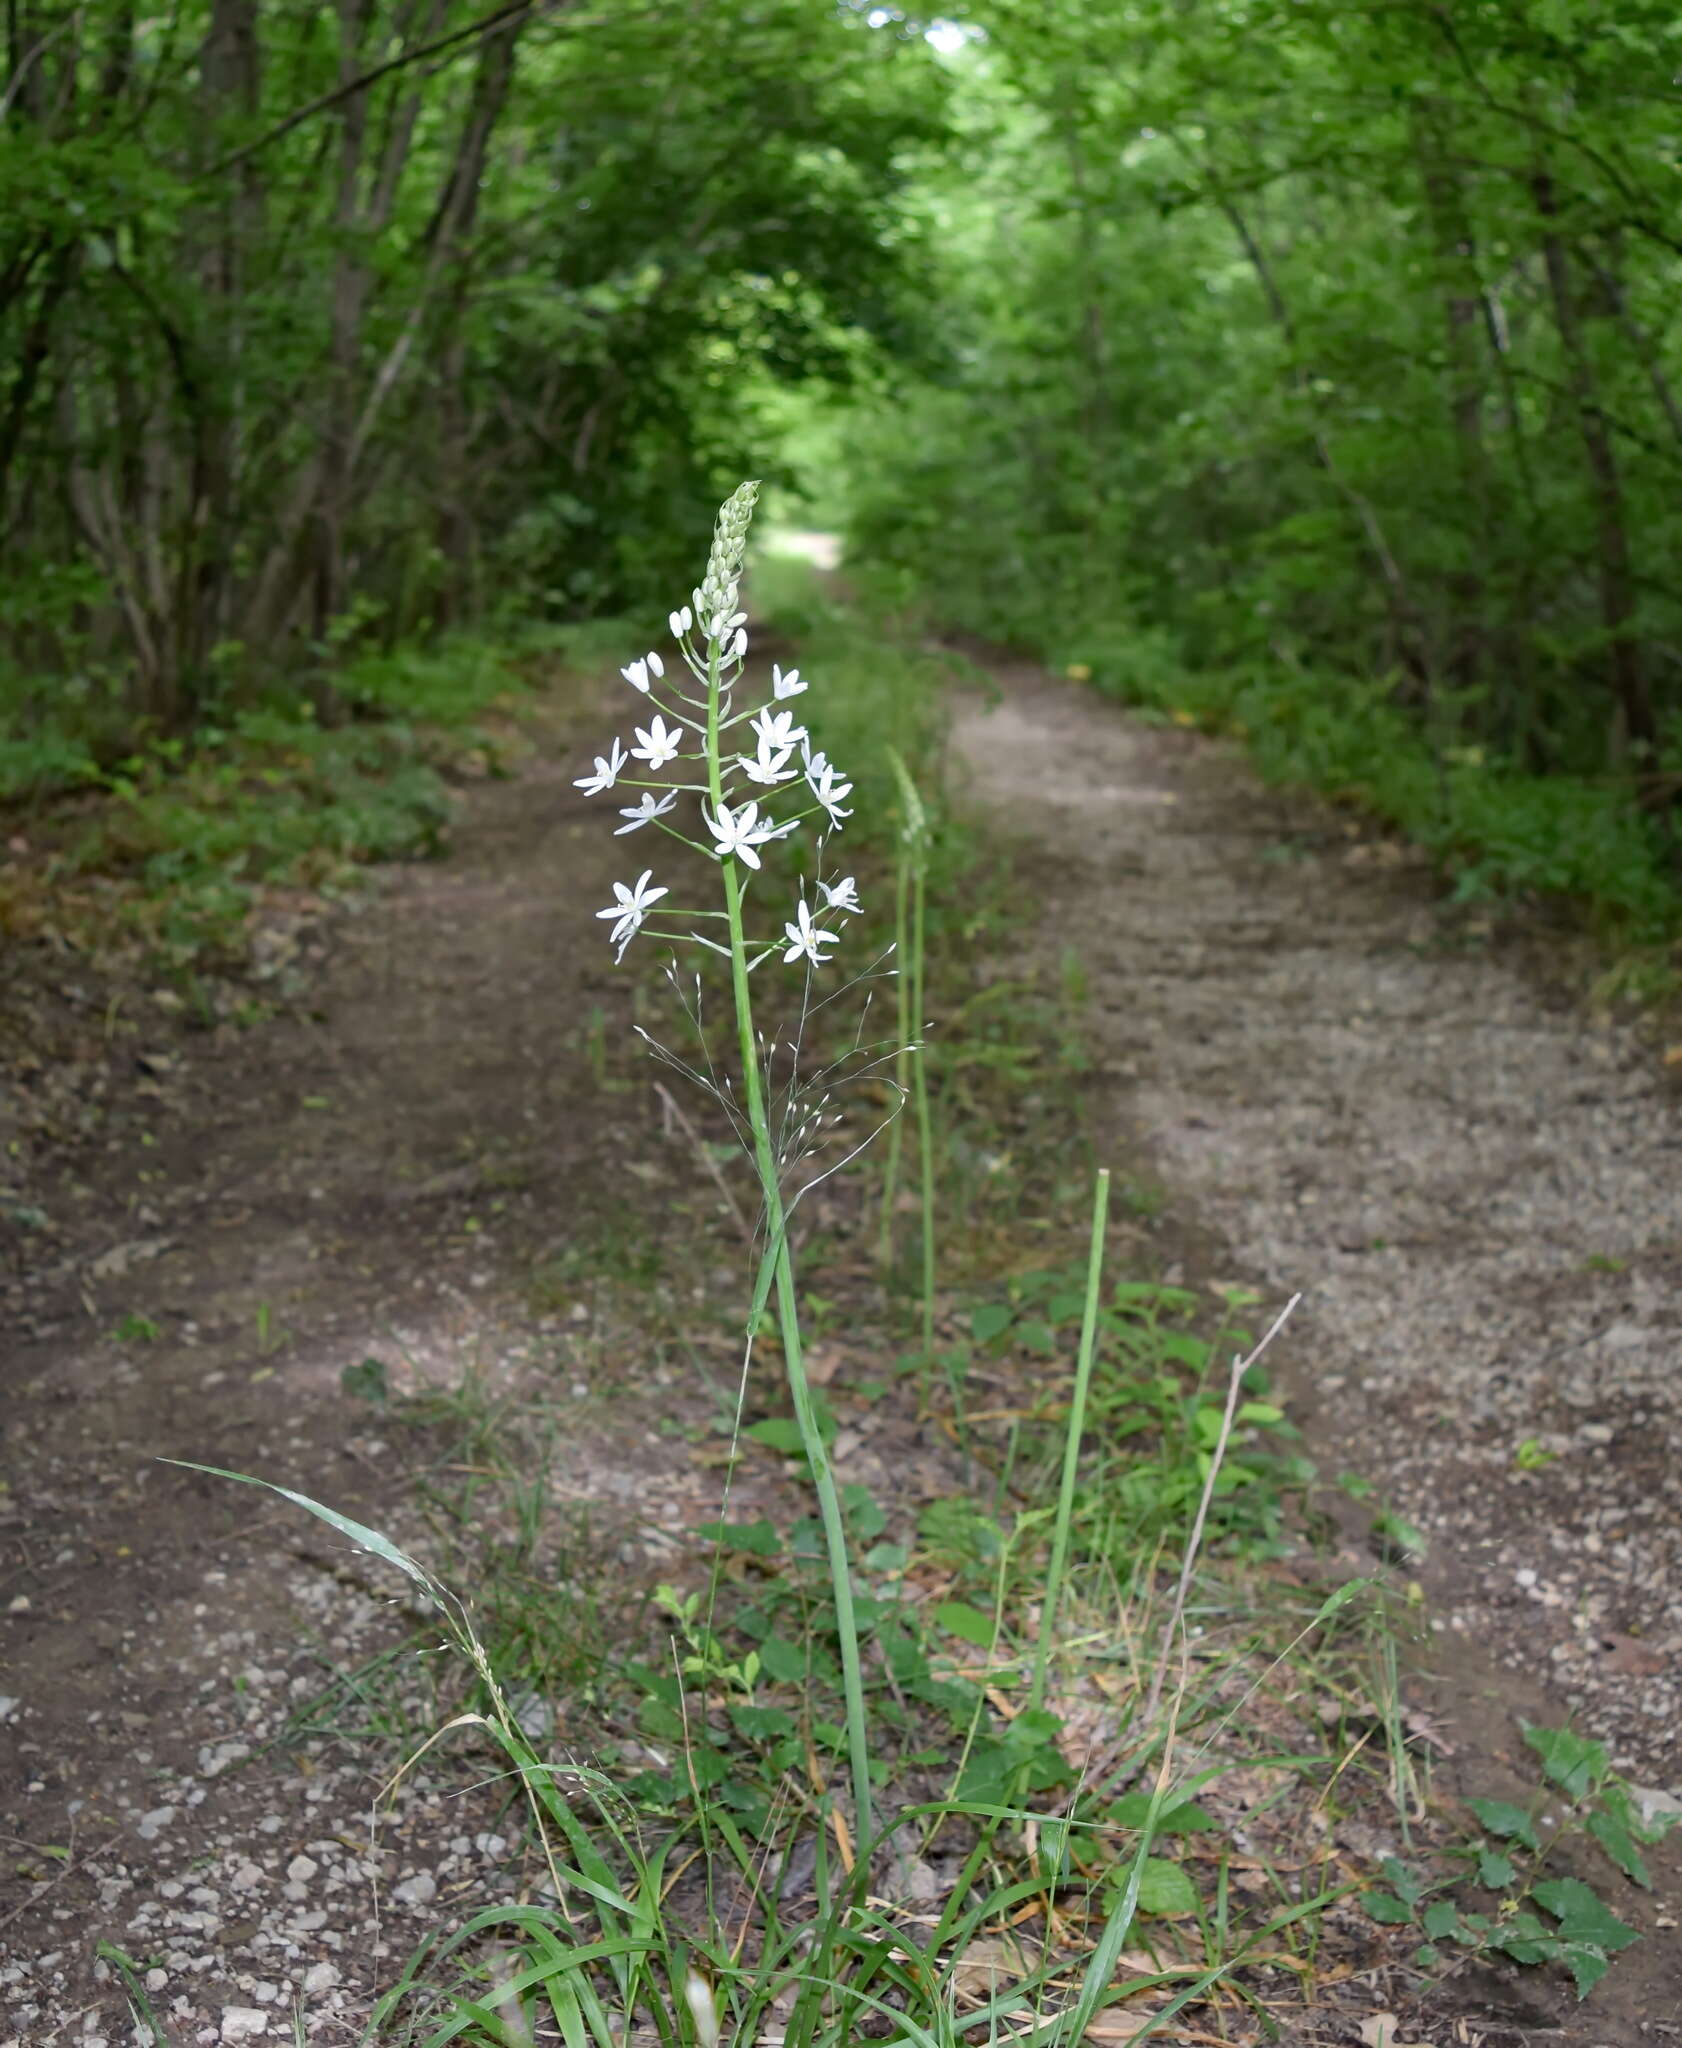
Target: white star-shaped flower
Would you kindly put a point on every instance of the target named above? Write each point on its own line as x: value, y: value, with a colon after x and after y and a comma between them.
x: 776, y: 729
x: 769, y: 768
x: 640, y: 813
x: 842, y: 895
x: 639, y: 672
x: 804, y: 937
x: 660, y: 743
x: 785, y: 686
x: 630, y: 908
x: 738, y: 832
x: 607, y: 772
x: 828, y: 788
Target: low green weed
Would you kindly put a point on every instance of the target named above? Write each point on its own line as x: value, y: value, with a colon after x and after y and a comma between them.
x: 194, y: 829
x: 1157, y: 1413
x: 1533, y: 1916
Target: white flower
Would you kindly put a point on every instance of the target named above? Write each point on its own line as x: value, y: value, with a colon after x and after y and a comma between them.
x: 607, y: 772
x: 804, y: 937
x: 630, y: 908
x: 739, y: 831
x: 776, y: 729
x: 722, y: 624
x: 828, y: 788
x: 770, y: 768
x: 739, y: 646
x: 638, y: 673
x: 640, y: 813
x: 785, y: 686
x: 842, y: 895
x: 660, y: 743
x: 680, y: 622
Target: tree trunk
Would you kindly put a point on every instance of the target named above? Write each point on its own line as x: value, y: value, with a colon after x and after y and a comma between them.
x: 1635, y: 728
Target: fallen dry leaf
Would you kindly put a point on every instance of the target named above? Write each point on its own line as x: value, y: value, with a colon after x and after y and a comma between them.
x: 1673, y: 1055
x: 1378, y: 2030
x: 822, y: 1363
x: 1118, y: 2026
x: 986, y: 1966
x: 1629, y: 1654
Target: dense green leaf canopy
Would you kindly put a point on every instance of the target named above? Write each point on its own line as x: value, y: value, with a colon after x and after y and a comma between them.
x: 328, y: 321
x: 1306, y: 333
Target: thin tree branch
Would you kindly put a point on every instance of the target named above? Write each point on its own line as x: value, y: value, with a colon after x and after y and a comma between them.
x: 488, y: 24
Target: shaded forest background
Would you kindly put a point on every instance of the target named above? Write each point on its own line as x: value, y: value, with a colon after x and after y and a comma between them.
x: 1307, y: 371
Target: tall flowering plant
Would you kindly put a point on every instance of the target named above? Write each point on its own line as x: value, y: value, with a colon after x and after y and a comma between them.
x: 750, y: 777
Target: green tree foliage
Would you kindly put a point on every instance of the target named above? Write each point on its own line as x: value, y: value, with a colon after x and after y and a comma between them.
x: 1323, y: 338
x: 328, y: 323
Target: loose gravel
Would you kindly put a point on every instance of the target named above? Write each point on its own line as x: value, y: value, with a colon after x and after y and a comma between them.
x: 1476, y: 1184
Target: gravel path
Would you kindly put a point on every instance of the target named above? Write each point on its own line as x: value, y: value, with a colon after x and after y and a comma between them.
x: 1478, y: 1189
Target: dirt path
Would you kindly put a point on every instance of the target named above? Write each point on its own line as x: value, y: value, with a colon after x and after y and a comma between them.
x: 377, y: 1179
x: 1478, y: 1190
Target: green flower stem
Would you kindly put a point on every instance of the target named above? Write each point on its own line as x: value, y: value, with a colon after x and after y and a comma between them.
x: 788, y: 1315
x: 1071, y: 1440
x: 925, y: 1134
x: 902, y: 1058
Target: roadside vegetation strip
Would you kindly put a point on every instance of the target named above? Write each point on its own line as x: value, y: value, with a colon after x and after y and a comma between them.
x: 169, y: 849
x: 1496, y: 833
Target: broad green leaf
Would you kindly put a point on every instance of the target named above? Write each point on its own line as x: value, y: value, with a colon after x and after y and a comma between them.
x: 783, y: 1661
x: 1440, y: 1919
x: 865, y: 1519
x: 1581, y: 1914
x: 958, y: 1618
x: 1386, y: 1908
x: 761, y: 1724
x: 1510, y: 1823
x: 1586, y: 1963
x: 1611, y: 1832
x: 1132, y: 1810
x: 1573, y: 1762
x: 1165, y: 1889
x: 990, y: 1320
x: 1526, y: 1940
x: 1495, y: 1872
x: 778, y: 1433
